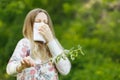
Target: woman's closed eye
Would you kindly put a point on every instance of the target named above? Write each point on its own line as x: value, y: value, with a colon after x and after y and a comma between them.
x: 45, y: 21
x: 38, y: 21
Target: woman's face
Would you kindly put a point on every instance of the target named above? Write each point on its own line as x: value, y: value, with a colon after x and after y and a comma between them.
x: 41, y: 17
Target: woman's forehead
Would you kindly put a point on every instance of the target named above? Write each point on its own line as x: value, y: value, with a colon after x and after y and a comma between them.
x: 41, y: 15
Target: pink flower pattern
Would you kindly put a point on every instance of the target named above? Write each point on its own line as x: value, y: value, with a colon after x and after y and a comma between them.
x: 32, y: 72
x: 39, y: 72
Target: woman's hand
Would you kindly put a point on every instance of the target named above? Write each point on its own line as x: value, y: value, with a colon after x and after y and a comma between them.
x: 46, y: 32
x: 25, y: 63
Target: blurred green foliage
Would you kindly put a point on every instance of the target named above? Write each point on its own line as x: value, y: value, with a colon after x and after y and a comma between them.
x: 94, y: 24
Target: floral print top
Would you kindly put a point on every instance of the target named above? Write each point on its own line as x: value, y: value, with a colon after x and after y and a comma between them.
x: 39, y: 72
x: 46, y: 71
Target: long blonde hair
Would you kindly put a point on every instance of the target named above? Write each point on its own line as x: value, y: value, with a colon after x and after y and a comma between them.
x: 38, y: 49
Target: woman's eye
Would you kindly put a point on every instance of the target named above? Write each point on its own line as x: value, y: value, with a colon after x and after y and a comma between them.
x: 45, y: 22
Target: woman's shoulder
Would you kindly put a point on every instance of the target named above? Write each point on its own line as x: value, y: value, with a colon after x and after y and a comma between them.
x: 24, y: 41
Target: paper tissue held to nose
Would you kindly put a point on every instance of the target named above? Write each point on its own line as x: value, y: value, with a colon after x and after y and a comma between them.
x: 37, y: 36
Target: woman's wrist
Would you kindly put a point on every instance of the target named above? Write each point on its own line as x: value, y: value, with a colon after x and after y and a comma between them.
x: 50, y: 39
x: 19, y: 68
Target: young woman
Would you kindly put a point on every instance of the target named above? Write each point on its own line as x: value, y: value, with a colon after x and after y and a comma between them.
x: 31, y: 57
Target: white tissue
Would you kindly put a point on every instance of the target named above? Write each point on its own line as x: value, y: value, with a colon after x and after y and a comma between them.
x: 37, y: 36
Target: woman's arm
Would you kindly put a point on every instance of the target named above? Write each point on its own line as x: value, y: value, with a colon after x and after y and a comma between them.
x: 63, y: 66
x: 55, y: 48
x: 19, y: 53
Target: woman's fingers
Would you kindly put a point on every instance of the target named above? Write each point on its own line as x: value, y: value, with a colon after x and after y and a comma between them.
x: 46, y: 32
x: 23, y: 62
x: 44, y: 28
x: 27, y: 62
